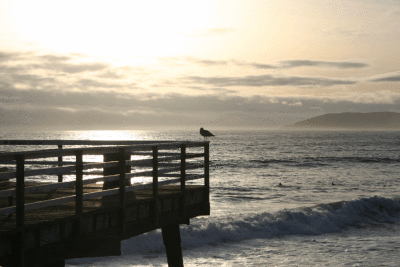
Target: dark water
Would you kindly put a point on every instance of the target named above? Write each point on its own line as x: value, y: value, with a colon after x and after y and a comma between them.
x: 306, y: 221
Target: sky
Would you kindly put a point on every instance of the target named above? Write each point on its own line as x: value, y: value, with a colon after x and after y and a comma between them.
x: 126, y: 65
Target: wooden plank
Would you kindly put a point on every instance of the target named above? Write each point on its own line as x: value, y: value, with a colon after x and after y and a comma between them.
x: 58, y: 201
x: 59, y: 163
x: 94, y: 142
x: 150, y: 154
x: 170, y: 165
x: 94, y: 150
x: 48, y: 215
x: 49, y: 153
x: 194, y: 155
x: 49, y: 203
x: 103, y: 193
x: 77, y: 142
x: 50, y: 171
x: 5, y: 176
x: 63, y: 200
x: 165, y: 182
x: 9, y: 210
x: 47, y: 187
x: 148, y: 162
x: 141, y: 163
x: 169, y: 158
x: 164, y: 171
x: 57, y: 170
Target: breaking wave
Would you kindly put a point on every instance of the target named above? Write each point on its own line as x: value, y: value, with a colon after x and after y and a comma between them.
x: 316, y: 220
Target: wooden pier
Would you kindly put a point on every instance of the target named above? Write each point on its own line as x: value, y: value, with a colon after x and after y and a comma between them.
x: 93, y: 194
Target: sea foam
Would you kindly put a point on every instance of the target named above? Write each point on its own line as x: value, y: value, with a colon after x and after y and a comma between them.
x: 316, y: 220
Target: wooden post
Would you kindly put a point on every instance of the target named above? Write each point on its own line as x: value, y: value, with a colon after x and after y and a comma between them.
x: 155, y: 184
x: 79, y: 191
x: 60, y: 158
x: 172, y: 242
x: 114, y: 170
x: 19, y: 247
x: 121, y: 190
x: 207, y: 175
x: 183, y: 179
x: 20, y: 192
x: 207, y: 165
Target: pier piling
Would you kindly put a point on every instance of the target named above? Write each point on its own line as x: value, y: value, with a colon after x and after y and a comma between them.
x: 172, y: 242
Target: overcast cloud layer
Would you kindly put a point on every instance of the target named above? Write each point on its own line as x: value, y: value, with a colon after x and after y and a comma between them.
x: 78, y: 92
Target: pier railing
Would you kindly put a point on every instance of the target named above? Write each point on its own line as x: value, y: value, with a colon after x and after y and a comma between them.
x: 123, y: 164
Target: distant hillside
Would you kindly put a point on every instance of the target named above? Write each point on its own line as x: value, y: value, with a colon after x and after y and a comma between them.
x: 374, y: 120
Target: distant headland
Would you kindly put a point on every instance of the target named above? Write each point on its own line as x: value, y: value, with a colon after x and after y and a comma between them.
x: 348, y: 120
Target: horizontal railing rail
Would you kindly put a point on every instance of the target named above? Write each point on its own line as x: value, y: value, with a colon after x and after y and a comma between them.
x: 169, y: 161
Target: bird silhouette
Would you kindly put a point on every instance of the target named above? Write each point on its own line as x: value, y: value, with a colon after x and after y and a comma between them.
x: 205, y: 133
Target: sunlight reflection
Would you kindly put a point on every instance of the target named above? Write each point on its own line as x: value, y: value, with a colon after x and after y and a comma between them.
x: 111, y: 135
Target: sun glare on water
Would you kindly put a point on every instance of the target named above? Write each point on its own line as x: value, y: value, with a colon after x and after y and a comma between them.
x: 110, y: 135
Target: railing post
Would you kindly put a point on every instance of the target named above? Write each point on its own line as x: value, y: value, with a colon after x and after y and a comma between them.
x: 121, y: 218
x: 79, y: 190
x: 114, y: 170
x: 207, y: 165
x: 183, y: 178
x: 20, y: 211
x: 155, y: 184
x: 207, y: 175
x: 20, y: 191
x: 60, y: 158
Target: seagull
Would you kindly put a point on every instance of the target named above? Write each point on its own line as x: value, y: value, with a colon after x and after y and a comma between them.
x: 205, y: 133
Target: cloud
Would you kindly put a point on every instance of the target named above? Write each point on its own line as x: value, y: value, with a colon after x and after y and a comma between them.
x: 286, y: 64
x: 269, y: 80
x: 207, y: 32
x: 6, y: 56
x: 76, y: 68
x: 290, y: 64
x: 20, y: 62
x: 391, y: 77
x: 100, y: 84
x: 263, y: 66
x: 63, y: 64
x: 55, y: 58
x: 28, y: 71
x: 77, y: 92
x: 107, y: 109
x: 327, y: 64
x: 208, y: 62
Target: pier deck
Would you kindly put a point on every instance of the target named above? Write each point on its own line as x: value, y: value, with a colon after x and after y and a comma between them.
x: 42, y: 224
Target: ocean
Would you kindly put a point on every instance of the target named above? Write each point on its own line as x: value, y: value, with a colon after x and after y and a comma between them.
x: 338, y: 204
